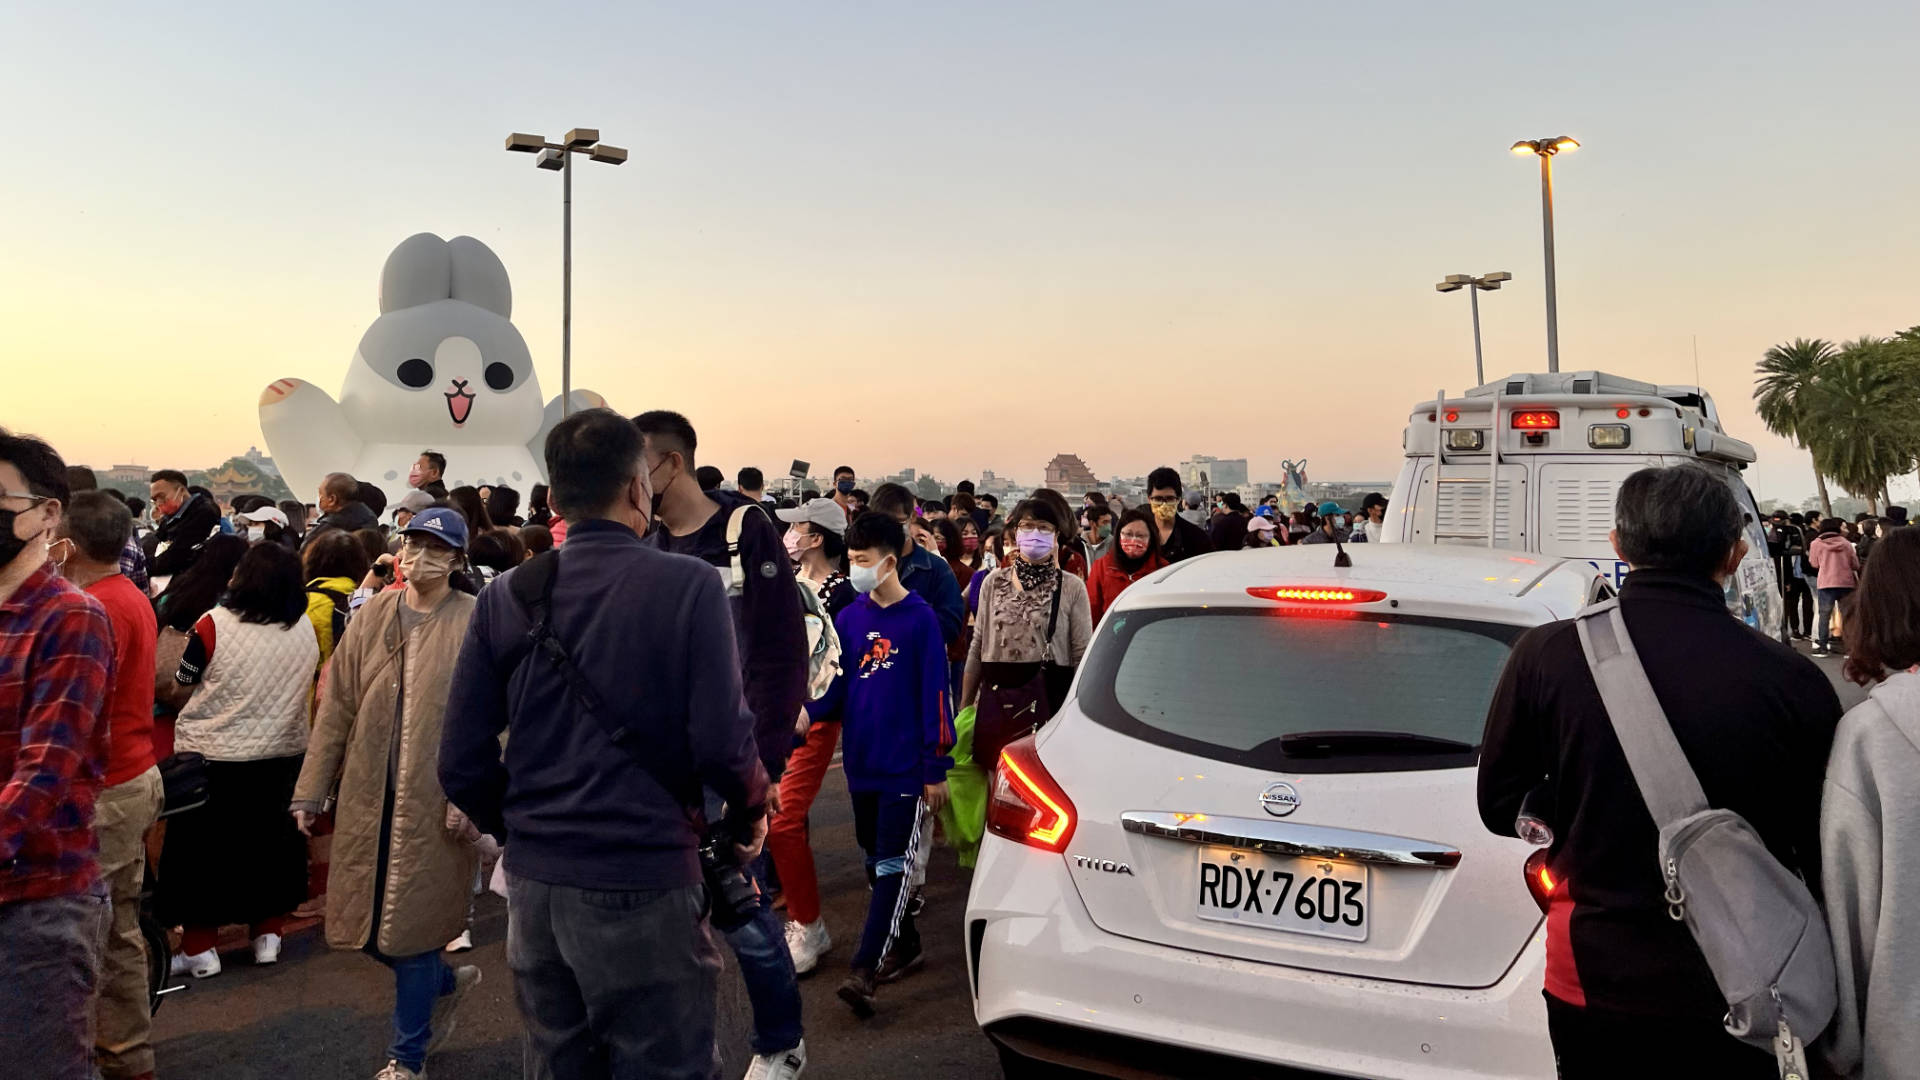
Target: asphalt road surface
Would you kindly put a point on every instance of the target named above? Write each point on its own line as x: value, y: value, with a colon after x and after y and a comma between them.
x: 325, y: 1014
x: 322, y: 1014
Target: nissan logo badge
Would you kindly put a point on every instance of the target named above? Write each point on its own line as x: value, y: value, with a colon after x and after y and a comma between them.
x: 1280, y: 799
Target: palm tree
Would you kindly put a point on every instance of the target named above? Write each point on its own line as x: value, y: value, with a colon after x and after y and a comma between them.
x: 1787, y: 372
x: 1859, y: 416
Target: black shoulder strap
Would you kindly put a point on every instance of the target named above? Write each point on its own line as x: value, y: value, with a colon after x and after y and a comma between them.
x: 532, y: 588
x: 1053, y: 617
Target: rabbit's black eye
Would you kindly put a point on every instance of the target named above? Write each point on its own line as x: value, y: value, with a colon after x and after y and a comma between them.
x: 416, y: 373
x: 499, y: 376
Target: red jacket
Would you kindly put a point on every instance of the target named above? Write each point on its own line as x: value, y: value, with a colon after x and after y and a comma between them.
x: 1106, y: 581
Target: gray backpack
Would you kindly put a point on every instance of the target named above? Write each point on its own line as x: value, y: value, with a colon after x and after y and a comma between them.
x: 1762, y: 933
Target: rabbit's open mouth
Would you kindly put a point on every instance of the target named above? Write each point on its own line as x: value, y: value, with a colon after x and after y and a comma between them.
x: 459, y: 402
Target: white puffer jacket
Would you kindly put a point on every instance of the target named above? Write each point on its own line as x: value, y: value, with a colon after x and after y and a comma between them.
x: 252, y: 702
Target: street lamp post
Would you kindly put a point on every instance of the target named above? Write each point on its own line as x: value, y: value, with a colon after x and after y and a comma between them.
x: 558, y: 157
x: 1546, y: 149
x: 1474, y: 286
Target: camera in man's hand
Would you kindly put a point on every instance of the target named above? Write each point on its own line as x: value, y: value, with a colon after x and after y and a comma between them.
x: 734, y: 894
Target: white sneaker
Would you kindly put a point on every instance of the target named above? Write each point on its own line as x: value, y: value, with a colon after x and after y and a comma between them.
x: 461, y: 943
x: 266, y: 949
x: 397, y: 1071
x: 808, y: 942
x: 785, y: 1065
x: 200, y: 965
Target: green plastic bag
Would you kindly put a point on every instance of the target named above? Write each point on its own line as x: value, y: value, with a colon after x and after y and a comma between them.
x: 964, y: 819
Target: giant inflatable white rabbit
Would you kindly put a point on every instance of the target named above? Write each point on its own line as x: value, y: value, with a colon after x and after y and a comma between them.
x: 442, y: 369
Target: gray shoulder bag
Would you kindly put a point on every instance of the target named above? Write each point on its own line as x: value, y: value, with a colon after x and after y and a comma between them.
x: 1762, y: 933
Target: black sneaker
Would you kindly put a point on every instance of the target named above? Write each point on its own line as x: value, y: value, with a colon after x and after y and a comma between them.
x: 916, y: 903
x: 902, y: 960
x: 857, y: 992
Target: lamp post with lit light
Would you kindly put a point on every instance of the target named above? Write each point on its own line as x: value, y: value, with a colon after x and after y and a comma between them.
x: 1546, y: 150
x: 558, y: 157
x: 1474, y: 286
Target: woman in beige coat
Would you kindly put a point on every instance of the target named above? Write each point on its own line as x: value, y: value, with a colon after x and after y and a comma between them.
x: 403, y: 863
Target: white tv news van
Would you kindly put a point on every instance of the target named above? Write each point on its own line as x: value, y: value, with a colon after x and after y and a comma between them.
x: 1532, y: 463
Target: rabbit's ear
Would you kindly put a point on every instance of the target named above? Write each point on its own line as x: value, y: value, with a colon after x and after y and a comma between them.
x: 479, y: 277
x: 419, y: 271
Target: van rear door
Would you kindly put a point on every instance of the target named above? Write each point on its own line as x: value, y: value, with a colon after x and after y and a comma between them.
x: 1462, y: 506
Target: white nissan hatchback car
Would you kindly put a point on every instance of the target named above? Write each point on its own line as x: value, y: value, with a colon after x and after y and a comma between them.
x: 1249, y: 842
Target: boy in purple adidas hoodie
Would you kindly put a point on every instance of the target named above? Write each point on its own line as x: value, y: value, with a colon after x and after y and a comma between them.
x: 895, y: 736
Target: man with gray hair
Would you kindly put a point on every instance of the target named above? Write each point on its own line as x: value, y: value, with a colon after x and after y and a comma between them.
x: 1755, y: 720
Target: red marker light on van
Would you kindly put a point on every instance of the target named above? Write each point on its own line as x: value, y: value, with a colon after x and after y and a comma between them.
x: 1623, y: 412
x: 1316, y: 594
x: 1537, y: 420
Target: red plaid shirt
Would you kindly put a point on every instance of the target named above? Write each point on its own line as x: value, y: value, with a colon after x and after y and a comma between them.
x: 56, y: 657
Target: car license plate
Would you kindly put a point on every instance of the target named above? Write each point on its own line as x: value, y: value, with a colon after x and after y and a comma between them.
x: 1301, y: 896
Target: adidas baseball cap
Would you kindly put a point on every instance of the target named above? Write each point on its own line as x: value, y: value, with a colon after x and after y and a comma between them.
x: 440, y: 522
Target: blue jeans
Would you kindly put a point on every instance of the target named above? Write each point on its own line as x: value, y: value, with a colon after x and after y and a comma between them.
x: 760, y: 947
x: 1823, y: 628
x: 418, y: 982
x: 613, y: 985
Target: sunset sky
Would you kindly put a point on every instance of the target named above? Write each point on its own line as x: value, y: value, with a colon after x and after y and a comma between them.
x: 954, y: 236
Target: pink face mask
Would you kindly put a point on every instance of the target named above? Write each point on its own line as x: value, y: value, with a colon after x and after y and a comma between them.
x: 1133, y: 548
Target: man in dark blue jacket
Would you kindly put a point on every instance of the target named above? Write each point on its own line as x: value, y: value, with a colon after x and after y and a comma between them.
x: 607, y: 908
x: 773, y: 654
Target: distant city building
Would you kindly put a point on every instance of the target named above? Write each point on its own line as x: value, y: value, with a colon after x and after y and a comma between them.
x: 1202, y: 470
x: 1068, y: 475
x: 126, y: 476
x: 1347, y: 493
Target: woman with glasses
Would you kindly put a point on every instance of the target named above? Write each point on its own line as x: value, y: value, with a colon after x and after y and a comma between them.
x: 1032, y: 628
x: 1135, y: 554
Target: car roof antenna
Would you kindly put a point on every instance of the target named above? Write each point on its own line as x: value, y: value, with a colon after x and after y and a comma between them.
x: 1341, y: 560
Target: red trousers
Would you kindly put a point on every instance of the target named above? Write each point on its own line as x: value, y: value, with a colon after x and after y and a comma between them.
x: 787, y: 832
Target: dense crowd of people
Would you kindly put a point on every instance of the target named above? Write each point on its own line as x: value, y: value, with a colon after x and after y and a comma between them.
x: 375, y: 700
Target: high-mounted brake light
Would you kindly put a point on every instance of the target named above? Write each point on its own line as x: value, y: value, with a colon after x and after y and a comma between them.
x: 1316, y: 594
x: 1026, y: 805
x: 1537, y: 420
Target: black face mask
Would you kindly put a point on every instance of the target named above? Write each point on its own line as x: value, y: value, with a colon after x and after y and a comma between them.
x: 10, y: 545
x: 659, y: 494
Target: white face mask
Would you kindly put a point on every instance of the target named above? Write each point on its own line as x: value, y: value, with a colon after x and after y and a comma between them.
x: 865, y: 579
x: 256, y: 533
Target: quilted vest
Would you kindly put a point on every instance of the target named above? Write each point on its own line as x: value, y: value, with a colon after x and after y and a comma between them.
x: 252, y: 702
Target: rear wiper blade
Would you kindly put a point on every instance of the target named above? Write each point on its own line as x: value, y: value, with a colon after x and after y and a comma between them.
x: 1342, y: 743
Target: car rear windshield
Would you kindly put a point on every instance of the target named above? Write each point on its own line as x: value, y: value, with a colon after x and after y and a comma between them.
x: 1316, y: 691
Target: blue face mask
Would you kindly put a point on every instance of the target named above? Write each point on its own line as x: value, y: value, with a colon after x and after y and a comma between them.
x: 844, y: 487
x: 865, y: 579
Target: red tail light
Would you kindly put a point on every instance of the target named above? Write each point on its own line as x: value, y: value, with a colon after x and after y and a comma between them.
x: 1540, y: 880
x: 1537, y: 420
x: 1026, y: 805
x: 1316, y: 594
